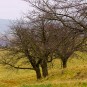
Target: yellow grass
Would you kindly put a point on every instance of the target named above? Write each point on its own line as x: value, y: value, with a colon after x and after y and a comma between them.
x: 74, y: 76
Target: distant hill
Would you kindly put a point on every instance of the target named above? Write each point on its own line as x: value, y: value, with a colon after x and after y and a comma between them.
x: 4, y: 25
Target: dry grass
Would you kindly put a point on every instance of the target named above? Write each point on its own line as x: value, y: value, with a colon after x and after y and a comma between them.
x: 74, y: 76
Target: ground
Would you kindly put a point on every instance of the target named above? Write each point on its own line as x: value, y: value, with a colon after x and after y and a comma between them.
x: 75, y: 75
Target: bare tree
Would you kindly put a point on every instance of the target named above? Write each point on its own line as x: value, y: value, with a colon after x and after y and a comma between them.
x: 22, y: 44
x: 72, y: 24
x: 32, y: 41
x: 44, y: 40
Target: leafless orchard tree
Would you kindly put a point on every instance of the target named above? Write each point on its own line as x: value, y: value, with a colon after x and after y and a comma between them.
x: 72, y: 16
x: 32, y: 40
x: 22, y: 46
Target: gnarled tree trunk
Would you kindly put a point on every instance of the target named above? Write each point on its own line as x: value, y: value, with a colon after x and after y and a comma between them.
x: 64, y: 62
x: 38, y: 73
x: 44, y: 67
x: 34, y: 64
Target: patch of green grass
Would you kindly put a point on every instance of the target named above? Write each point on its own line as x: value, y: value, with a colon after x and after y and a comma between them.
x: 71, y: 84
x: 84, y: 84
x: 3, y: 86
x: 42, y: 85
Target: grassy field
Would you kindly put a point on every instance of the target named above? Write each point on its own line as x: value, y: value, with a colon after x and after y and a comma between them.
x: 74, y: 76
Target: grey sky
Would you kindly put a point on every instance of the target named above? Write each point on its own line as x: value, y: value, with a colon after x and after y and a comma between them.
x: 12, y: 9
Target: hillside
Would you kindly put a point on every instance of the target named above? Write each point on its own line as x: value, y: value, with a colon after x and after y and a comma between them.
x: 4, y: 28
x: 75, y: 75
x: 4, y: 25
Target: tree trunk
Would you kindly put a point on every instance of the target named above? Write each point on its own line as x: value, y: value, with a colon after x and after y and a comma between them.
x: 44, y: 68
x: 38, y: 73
x: 34, y: 65
x: 64, y: 61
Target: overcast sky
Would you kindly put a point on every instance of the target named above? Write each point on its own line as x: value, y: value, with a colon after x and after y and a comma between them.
x: 12, y: 9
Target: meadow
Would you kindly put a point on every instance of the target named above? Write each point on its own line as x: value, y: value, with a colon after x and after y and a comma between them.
x: 75, y: 75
